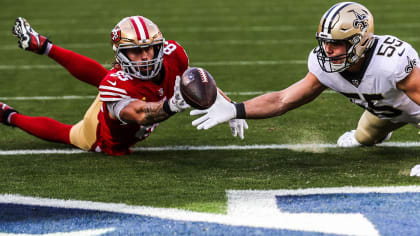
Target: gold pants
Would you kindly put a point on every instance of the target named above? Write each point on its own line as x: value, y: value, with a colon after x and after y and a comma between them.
x: 83, y: 134
x: 372, y: 130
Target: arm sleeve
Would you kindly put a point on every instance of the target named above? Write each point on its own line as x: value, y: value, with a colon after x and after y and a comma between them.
x: 115, y: 107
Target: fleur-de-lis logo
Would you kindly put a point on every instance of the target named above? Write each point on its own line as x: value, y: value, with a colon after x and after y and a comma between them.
x: 361, y: 21
x: 411, y: 65
x: 116, y: 34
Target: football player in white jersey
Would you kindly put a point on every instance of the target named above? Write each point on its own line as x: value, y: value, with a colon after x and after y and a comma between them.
x: 379, y: 73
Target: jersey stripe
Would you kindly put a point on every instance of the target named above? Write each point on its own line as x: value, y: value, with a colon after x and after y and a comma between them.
x: 135, y: 28
x: 111, y: 94
x: 103, y: 87
x: 110, y: 99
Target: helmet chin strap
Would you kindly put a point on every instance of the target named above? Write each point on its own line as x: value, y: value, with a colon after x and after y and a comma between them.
x: 338, y: 67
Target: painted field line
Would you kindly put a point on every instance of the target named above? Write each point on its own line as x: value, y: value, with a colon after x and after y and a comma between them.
x: 248, y: 28
x: 251, y: 208
x: 209, y: 63
x: 187, y: 43
x: 69, y: 97
x: 205, y: 148
x: 75, y: 97
x: 202, y: 42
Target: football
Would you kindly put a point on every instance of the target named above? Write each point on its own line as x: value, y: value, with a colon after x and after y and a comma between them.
x: 198, y: 88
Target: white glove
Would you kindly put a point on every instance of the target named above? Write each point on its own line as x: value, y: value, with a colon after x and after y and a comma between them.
x: 177, y: 102
x: 415, y: 171
x: 237, y: 126
x: 221, y: 111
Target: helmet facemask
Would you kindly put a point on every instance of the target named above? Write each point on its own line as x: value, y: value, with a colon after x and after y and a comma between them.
x: 143, y: 70
x: 348, y: 59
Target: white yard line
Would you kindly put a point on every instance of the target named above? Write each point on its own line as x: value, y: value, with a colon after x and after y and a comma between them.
x: 227, y: 42
x: 76, y: 97
x: 252, y: 208
x: 205, y: 148
x: 208, y: 63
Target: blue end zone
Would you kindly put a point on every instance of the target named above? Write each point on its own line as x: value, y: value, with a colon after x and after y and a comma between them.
x: 390, y: 213
x: 15, y: 218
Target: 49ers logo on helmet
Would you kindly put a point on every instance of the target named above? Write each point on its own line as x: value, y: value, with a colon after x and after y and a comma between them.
x: 116, y: 34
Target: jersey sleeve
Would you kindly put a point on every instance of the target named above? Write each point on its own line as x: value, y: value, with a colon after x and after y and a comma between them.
x: 174, y: 49
x: 112, y: 89
x: 406, y: 62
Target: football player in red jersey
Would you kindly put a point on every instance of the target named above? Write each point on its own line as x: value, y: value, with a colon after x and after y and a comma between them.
x: 141, y: 90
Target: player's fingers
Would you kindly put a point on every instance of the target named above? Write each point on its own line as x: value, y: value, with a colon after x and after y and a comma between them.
x: 234, y: 131
x: 198, y: 112
x: 241, y: 132
x: 203, y: 125
x: 200, y: 120
x: 210, y: 123
x: 177, y: 83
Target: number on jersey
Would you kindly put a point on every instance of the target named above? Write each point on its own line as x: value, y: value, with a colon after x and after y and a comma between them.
x: 168, y: 48
x: 121, y: 75
x: 379, y: 111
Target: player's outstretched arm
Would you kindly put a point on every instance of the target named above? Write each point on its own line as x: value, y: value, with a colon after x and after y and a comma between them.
x: 148, y: 113
x: 144, y: 113
x: 264, y: 106
x: 277, y: 103
x: 81, y: 67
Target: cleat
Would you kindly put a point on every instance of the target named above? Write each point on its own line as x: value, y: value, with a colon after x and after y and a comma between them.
x: 29, y: 39
x: 5, y: 113
x: 348, y: 140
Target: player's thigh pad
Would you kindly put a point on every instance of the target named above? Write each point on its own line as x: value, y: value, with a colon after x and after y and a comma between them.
x: 372, y: 130
x: 83, y: 134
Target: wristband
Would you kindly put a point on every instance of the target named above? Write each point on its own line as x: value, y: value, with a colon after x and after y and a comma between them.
x: 167, y: 109
x: 240, y: 110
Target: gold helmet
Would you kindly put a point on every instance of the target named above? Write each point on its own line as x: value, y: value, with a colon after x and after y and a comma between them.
x: 138, y: 32
x: 345, y: 21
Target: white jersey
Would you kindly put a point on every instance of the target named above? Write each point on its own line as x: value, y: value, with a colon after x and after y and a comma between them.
x: 376, y: 90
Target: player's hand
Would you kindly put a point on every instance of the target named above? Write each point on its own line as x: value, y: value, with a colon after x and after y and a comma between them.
x: 177, y: 102
x: 237, y: 127
x: 221, y: 111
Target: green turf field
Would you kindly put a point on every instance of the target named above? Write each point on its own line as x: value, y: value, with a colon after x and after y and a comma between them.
x: 248, y: 46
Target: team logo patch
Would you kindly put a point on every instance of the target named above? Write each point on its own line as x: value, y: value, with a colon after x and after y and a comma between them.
x: 361, y: 21
x: 411, y: 65
x: 116, y: 34
x: 355, y: 83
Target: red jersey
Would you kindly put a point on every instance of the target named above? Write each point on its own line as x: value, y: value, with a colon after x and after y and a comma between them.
x: 114, y: 137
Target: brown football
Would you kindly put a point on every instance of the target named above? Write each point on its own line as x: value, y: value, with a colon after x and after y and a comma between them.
x: 198, y: 88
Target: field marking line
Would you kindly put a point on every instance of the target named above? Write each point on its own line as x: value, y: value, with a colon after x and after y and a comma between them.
x: 199, y: 64
x: 233, y: 42
x: 89, y: 232
x: 205, y: 148
x: 252, y: 208
x: 76, y: 97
